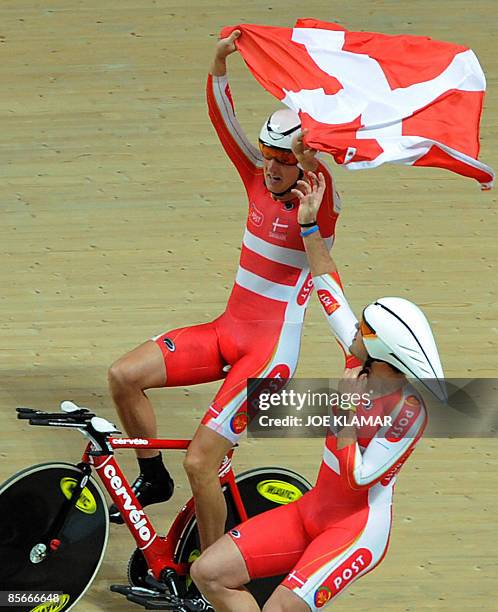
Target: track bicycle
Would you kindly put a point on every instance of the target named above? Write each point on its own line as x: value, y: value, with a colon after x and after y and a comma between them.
x: 54, y: 523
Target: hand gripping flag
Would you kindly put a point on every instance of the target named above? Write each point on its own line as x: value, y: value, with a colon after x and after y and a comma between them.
x: 369, y: 98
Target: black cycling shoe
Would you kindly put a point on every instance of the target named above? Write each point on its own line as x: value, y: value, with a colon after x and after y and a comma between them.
x: 147, y: 493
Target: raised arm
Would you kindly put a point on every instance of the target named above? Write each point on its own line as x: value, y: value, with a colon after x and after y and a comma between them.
x: 224, y: 48
x: 311, y: 160
x: 340, y: 317
x: 311, y: 193
x: 244, y: 156
x: 306, y: 156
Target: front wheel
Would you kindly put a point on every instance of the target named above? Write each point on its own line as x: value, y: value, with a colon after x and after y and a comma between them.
x: 29, y: 503
x: 261, y: 489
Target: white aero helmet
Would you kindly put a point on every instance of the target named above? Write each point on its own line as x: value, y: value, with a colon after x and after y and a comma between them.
x: 398, y: 332
x: 279, y: 129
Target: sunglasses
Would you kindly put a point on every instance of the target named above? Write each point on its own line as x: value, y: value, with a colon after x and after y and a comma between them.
x: 283, y: 156
x: 365, y: 329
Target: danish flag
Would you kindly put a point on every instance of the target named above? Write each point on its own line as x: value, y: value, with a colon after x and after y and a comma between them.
x: 369, y: 98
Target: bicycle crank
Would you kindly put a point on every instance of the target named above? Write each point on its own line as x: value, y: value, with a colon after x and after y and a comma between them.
x: 155, y: 600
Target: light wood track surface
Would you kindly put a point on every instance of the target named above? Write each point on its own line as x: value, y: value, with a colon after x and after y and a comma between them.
x: 122, y: 217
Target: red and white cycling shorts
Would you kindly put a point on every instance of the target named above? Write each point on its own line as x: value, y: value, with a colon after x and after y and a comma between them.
x: 320, y: 560
x: 252, y: 349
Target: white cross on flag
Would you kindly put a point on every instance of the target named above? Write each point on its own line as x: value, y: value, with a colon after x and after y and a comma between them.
x: 369, y: 98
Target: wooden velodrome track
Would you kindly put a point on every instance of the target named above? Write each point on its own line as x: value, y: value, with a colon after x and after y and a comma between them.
x: 122, y: 217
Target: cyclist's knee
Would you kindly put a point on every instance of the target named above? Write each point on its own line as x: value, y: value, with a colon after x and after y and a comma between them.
x: 197, y: 465
x: 204, y: 456
x: 141, y: 369
x: 220, y: 567
x: 123, y: 376
x: 200, y: 466
x: 205, y: 574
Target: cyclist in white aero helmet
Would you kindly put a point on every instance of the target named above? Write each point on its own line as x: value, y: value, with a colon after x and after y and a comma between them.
x: 396, y: 331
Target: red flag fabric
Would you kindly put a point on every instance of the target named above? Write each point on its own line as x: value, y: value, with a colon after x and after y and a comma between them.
x: 369, y: 98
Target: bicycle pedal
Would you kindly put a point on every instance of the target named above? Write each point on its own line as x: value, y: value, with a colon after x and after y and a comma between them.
x: 122, y: 589
x: 198, y: 604
x: 126, y: 589
x: 158, y: 602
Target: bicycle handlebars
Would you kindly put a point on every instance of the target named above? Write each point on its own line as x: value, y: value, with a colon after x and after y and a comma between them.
x: 82, y: 415
x: 74, y: 417
x: 77, y: 418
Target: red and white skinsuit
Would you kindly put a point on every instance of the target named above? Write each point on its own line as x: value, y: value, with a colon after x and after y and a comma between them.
x: 259, y: 333
x: 340, y: 529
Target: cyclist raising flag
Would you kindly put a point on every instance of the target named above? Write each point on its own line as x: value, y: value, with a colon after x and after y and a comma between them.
x: 259, y: 333
x: 340, y: 530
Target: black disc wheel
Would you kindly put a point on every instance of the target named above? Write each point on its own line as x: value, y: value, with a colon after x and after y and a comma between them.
x: 30, y: 501
x: 261, y: 490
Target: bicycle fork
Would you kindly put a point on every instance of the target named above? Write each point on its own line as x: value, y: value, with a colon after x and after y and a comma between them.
x: 52, y: 540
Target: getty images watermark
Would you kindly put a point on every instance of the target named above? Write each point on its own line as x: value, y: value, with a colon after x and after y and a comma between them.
x: 309, y: 407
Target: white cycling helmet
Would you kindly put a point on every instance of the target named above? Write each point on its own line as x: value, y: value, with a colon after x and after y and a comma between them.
x: 398, y: 332
x: 279, y: 129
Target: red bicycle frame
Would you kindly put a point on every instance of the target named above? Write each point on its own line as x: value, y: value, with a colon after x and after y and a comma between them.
x: 158, y: 551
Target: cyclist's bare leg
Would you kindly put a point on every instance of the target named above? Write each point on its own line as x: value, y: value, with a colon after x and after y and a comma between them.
x: 140, y: 369
x: 284, y: 600
x: 220, y: 573
x: 202, y: 463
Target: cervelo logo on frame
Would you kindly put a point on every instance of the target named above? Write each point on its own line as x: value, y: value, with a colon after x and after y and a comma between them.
x: 343, y: 575
x: 133, y: 441
x: 405, y: 419
x: 328, y: 301
x: 305, y: 290
x: 136, y: 517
